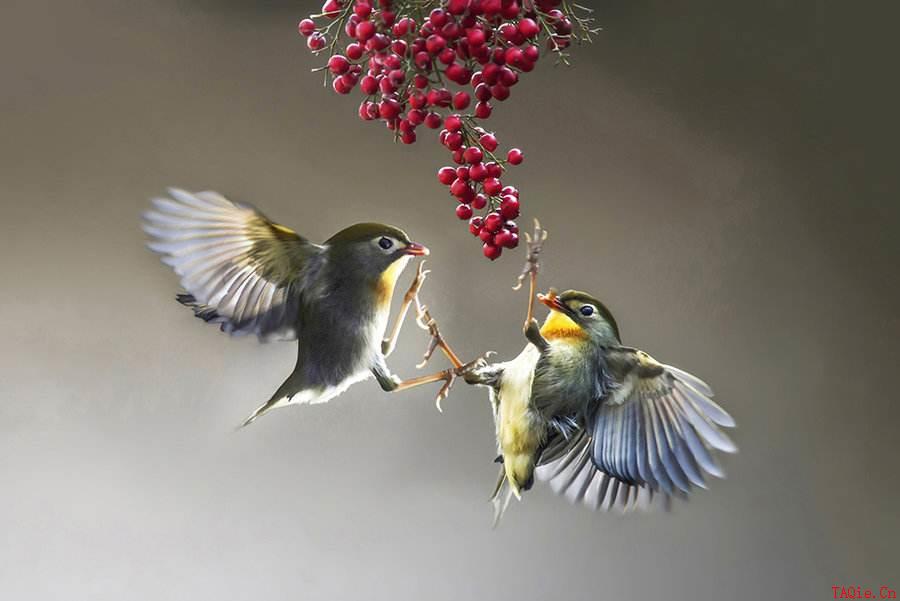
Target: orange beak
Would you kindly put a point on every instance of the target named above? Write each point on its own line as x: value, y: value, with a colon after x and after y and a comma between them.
x: 551, y: 300
x: 415, y: 249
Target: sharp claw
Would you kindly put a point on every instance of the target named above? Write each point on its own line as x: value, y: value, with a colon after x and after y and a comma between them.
x: 444, y: 392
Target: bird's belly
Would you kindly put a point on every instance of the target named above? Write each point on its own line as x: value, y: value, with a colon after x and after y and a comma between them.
x: 518, y: 425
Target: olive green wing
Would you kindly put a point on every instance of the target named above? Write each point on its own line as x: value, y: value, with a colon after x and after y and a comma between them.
x: 656, y: 425
x: 240, y: 270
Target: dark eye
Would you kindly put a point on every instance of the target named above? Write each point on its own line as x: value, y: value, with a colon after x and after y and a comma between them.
x: 587, y: 310
x: 385, y: 243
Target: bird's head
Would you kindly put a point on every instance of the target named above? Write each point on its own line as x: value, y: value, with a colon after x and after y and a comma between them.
x: 375, y: 252
x: 578, y: 315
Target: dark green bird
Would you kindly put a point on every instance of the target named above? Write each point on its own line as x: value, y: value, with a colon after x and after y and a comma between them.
x: 603, y: 423
x: 252, y: 276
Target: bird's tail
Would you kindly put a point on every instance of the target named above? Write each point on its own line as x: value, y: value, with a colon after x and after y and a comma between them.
x: 273, y: 403
x: 503, y: 494
x: 282, y: 398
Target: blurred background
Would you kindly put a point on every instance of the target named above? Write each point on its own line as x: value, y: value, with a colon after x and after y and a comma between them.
x: 722, y: 174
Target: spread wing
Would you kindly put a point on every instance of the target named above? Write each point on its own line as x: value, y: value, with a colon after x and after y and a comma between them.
x: 240, y: 269
x: 657, y: 425
x: 567, y: 467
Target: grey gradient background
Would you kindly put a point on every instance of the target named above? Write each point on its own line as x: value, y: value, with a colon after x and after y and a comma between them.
x: 723, y: 174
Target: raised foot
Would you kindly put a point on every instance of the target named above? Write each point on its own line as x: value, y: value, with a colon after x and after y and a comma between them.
x: 534, y: 245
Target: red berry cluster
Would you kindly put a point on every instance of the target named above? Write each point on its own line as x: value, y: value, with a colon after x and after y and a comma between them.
x: 406, y: 55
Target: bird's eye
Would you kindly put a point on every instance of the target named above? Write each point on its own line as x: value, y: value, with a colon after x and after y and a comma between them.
x: 385, y: 243
x: 587, y: 310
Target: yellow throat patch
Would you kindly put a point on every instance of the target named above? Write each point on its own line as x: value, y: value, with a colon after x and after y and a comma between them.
x: 384, y: 288
x: 560, y: 326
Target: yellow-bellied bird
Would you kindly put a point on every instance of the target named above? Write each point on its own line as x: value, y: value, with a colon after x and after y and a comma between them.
x: 605, y: 424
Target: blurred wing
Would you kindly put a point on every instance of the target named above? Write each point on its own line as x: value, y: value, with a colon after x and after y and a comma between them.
x: 240, y: 269
x: 567, y: 467
x: 657, y: 425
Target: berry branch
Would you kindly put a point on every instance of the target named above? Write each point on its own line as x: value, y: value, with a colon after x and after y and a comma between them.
x: 406, y: 55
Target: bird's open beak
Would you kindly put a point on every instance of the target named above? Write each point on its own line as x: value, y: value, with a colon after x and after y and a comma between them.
x: 416, y: 249
x: 551, y: 300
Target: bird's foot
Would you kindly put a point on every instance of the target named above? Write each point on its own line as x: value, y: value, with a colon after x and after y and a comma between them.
x: 534, y: 245
x: 427, y: 322
x: 465, y: 370
x: 412, y: 294
x: 449, y: 378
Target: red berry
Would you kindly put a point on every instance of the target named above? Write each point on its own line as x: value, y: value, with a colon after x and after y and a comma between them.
x: 399, y: 47
x: 492, y: 186
x: 493, y: 222
x: 500, y: 91
x: 483, y: 92
x: 408, y: 137
x: 462, y: 173
x: 515, y: 156
x: 509, y: 32
x: 389, y: 108
x: 490, y: 251
x: 488, y: 142
x: 417, y: 100
x: 454, y: 140
x: 341, y: 85
x: 386, y: 86
x: 508, y: 77
x: 316, y: 41
x: 464, y: 212
x: 453, y: 123
x: 457, y: 7
x: 369, y: 85
x: 528, y: 27
x: 331, y: 8
x: 306, y: 27
x: 509, y: 207
x: 479, y: 202
x: 338, y: 64
x: 378, y: 42
x: 475, y: 224
x: 354, y: 51
x: 491, y: 73
x: 458, y: 187
x: 510, y: 10
x: 509, y: 191
x: 500, y: 238
x: 483, y: 110
x: 485, y: 235
x: 473, y: 155
x: 366, y: 111
x: 461, y: 100
x: 432, y: 120
x: 506, y: 239
x: 458, y: 156
x: 475, y: 37
x: 435, y: 43
x: 478, y: 172
x: 447, y: 175
x: 397, y: 77
x: 363, y: 9
x: 420, y: 81
x: 365, y: 30
x: 415, y: 116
